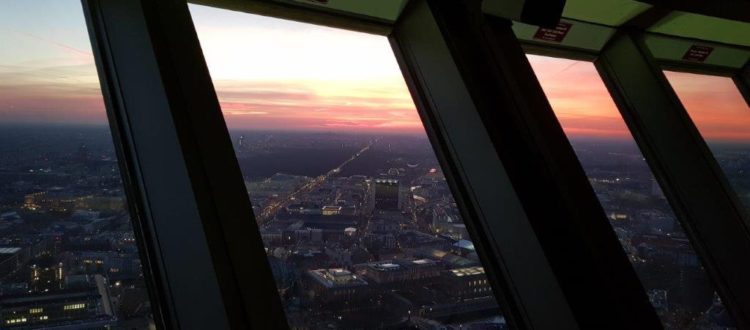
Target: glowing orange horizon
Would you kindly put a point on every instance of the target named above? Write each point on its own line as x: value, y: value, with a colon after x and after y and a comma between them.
x: 715, y: 105
x: 585, y: 108
x: 272, y: 74
x: 579, y: 98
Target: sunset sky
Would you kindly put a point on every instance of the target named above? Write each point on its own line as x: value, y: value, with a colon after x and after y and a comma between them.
x: 715, y: 105
x: 273, y: 74
x: 579, y: 98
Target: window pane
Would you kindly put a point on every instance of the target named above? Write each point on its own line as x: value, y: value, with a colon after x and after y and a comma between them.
x: 723, y: 118
x: 649, y: 232
x: 68, y: 256
x: 358, y: 221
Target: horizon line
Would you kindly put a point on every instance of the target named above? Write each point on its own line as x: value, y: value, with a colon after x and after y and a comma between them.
x: 420, y: 133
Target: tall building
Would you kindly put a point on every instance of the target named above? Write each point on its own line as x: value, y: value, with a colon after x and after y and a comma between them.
x: 241, y: 143
x: 387, y: 195
x: 47, y: 277
x: 83, y: 153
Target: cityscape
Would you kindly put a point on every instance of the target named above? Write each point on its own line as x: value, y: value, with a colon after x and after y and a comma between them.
x: 360, y: 226
x: 68, y: 255
x: 361, y: 232
x: 650, y: 233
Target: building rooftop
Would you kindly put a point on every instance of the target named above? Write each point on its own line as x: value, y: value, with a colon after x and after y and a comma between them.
x: 336, y: 277
x: 460, y: 272
x: 9, y: 250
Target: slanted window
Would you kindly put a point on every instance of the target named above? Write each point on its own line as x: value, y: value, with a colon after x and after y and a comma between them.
x: 723, y: 118
x: 649, y: 231
x: 360, y: 226
x: 62, y: 203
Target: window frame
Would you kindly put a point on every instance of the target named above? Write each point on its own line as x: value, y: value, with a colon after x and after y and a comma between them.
x: 663, y: 163
x: 222, y: 257
x: 710, y: 239
x: 622, y: 104
x: 661, y: 168
x: 742, y: 80
x: 174, y: 145
x: 472, y: 66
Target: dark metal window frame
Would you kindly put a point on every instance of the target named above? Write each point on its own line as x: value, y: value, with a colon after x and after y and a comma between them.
x: 623, y: 105
x: 567, y: 221
x: 676, y: 194
x: 697, y: 189
x: 181, y: 171
x: 742, y: 80
x: 204, y: 249
x: 158, y: 89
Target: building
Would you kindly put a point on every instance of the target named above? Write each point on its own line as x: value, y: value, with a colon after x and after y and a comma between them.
x: 336, y: 284
x: 399, y: 272
x: 332, y: 210
x: 387, y: 194
x: 10, y: 259
x: 47, y: 276
x: 85, y: 306
x: 304, y: 209
x: 466, y: 283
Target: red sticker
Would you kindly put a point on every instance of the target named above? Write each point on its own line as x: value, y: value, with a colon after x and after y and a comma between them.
x: 554, y: 35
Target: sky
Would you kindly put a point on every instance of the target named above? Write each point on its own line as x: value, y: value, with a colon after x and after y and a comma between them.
x: 715, y: 104
x: 585, y: 108
x: 272, y: 74
x: 579, y: 98
x: 47, y: 71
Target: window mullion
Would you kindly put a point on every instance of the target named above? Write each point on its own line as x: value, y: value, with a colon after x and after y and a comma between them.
x: 693, y: 182
x: 213, y: 268
x: 480, y: 99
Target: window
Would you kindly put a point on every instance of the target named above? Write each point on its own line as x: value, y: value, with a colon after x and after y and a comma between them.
x: 74, y: 307
x: 723, y: 117
x: 359, y: 224
x: 61, y: 196
x: 648, y: 229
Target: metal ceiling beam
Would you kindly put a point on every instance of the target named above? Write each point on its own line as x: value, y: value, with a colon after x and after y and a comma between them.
x: 738, y: 10
x: 545, y: 13
x: 647, y: 18
x: 305, y: 14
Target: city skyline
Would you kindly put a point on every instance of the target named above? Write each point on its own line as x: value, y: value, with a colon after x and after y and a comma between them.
x: 357, y: 219
x: 50, y: 78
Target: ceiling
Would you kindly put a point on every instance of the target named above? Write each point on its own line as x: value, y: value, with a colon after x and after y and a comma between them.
x: 669, y: 35
x: 592, y: 23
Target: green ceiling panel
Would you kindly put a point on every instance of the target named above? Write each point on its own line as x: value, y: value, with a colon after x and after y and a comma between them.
x: 671, y: 49
x: 607, y: 12
x: 704, y: 28
x: 388, y: 10
x: 580, y: 35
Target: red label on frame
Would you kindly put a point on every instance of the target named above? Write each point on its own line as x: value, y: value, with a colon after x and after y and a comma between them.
x: 554, y: 35
x: 697, y: 53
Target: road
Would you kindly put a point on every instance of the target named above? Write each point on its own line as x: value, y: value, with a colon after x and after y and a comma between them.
x: 270, y: 210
